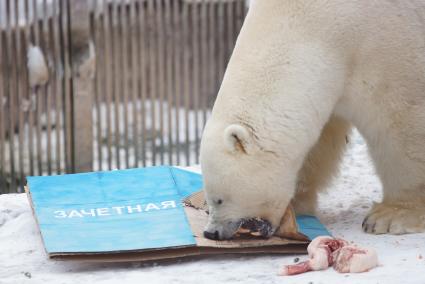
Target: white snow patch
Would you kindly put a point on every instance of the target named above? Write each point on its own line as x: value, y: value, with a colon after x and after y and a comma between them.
x: 23, y: 259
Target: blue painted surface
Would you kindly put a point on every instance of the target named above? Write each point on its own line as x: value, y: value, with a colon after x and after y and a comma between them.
x: 114, y: 211
x: 121, y: 210
x: 187, y: 182
x: 311, y: 226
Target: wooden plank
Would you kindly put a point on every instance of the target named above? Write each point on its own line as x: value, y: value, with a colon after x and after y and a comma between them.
x: 221, y: 39
x: 3, y: 104
x: 36, y: 94
x: 170, y: 45
x: 195, y: 78
x: 116, y: 95
x: 48, y: 98
x: 95, y: 34
x: 143, y: 63
x: 153, y: 83
x: 186, y: 79
x: 135, y: 75
x: 41, y: 96
x: 29, y: 34
x: 213, y: 77
x: 204, y: 91
x: 124, y: 28
x: 230, y: 9
x: 65, y: 47
x: 178, y: 58
x: 20, y: 86
x: 123, y: 58
x: 108, y: 56
x: 161, y: 74
x: 10, y: 92
x: 57, y: 86
x: 83, y: 66
x: 241, y: 13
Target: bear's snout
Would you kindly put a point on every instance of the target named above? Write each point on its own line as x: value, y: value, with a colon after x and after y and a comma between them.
x: 221, y: 230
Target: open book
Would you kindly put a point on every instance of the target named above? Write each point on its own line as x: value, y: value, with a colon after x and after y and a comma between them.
x: 137, y: 214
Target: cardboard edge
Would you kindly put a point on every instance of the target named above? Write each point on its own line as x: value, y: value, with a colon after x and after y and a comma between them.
x: 29, y: 197
x: 130, y: 255
x: 180, y: 253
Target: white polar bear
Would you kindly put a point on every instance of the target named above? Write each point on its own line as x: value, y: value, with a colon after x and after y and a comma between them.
x: 301, y: 74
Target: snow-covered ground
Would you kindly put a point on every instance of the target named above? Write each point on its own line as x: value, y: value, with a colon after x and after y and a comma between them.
x: 402, y: 258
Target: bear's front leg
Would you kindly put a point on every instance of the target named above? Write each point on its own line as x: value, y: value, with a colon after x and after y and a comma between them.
x: 399, y: 159
x: 321, y: 165
x: 395, y: 218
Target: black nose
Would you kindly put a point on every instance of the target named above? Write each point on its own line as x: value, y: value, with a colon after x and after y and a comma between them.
x: 211, y: 236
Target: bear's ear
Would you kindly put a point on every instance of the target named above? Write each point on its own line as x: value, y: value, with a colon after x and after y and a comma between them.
x: 237, y: 138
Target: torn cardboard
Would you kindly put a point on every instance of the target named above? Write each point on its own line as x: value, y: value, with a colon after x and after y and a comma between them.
x: 288, y: 228
x: 138, y: 215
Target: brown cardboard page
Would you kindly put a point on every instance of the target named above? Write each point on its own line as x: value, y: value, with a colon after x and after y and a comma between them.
x: 198, y: 220
x: 196, y: 212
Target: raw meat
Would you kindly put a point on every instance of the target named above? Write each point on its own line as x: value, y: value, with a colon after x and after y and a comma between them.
x: 351, y: 259
x: 327, y: 251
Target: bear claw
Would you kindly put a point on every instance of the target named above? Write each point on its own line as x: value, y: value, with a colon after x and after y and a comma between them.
x: 394, y: 220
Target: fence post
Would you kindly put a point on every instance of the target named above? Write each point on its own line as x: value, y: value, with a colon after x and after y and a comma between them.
x: 83, y: 69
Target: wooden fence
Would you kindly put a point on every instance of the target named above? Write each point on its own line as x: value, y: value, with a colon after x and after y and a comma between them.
x: 100, y: 85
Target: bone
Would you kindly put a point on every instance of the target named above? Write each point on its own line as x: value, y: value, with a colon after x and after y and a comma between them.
x: 256, y: 227
x: 295, y: 269
x: 327, y: 251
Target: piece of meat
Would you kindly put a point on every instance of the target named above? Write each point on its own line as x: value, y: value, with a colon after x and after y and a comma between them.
x: 321, y: 252
x: 298, y: 268
x: 327, y: 251
x: 351, y: 259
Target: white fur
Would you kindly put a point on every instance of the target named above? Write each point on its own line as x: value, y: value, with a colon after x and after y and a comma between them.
x: 301, y: 73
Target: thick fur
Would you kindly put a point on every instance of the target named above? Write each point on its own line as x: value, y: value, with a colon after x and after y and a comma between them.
x: 301, y: 73
x: 321, y: 164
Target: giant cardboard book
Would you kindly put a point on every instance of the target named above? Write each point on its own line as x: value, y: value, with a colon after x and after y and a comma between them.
x: 137, y: 214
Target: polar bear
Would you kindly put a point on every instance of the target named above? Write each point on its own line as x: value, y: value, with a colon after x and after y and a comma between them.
x: 302, y: 73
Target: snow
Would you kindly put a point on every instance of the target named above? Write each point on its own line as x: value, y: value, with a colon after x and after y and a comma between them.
x: 342, y: 209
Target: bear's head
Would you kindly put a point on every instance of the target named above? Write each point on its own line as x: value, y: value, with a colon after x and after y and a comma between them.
x: 243, y: 179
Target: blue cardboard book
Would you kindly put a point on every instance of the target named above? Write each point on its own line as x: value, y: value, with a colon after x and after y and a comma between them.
x: 132, y: 214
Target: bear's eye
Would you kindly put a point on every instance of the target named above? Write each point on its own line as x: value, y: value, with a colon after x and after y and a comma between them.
x: 219, y: 201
